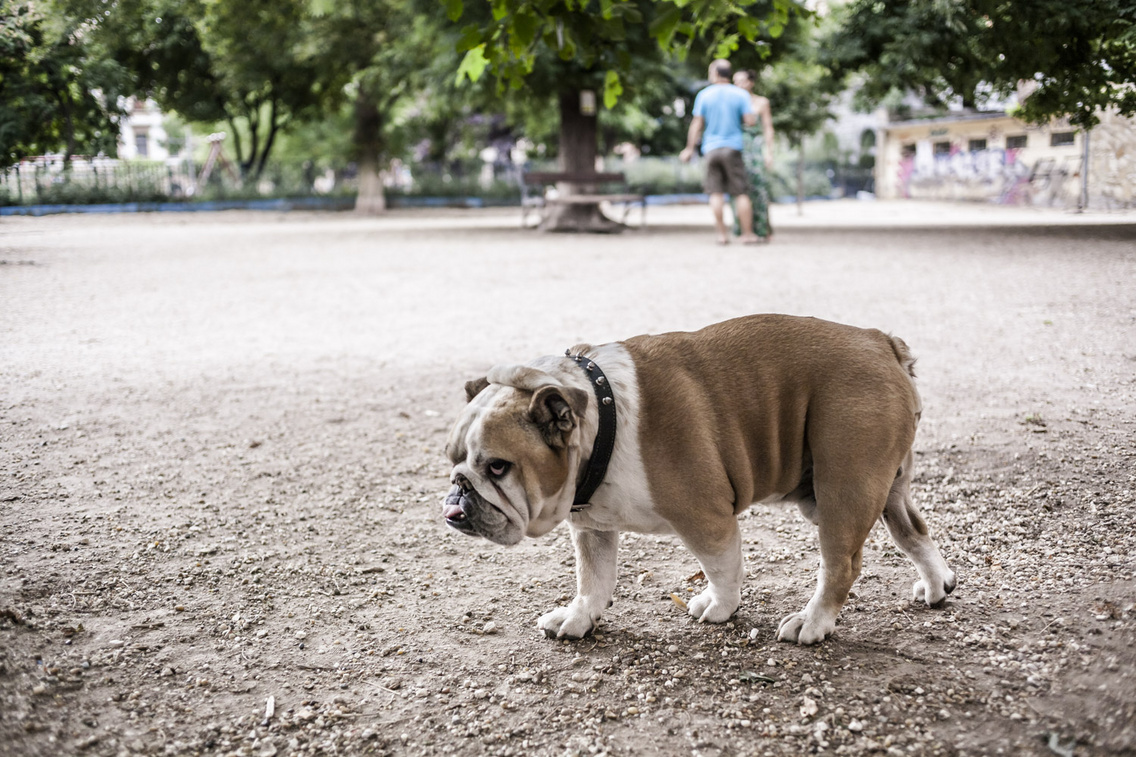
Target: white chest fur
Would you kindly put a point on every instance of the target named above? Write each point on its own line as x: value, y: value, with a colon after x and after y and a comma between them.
x: 623, y: 501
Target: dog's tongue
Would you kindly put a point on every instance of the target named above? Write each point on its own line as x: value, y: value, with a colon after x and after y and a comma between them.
x: 452, y: 505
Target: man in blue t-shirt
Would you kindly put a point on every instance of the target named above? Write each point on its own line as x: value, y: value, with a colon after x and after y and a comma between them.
x: 720, y: 111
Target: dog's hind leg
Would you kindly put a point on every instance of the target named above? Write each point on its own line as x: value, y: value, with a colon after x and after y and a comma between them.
x: 909, y: 532
x: 846, y: 512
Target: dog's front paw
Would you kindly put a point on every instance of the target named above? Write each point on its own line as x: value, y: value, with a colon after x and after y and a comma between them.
x: 707, y: 607
x: 569, y: 622
x: 805, y: 629
x: 934, y: 590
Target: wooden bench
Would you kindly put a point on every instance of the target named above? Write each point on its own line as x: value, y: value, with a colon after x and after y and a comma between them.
x: 534, y: 196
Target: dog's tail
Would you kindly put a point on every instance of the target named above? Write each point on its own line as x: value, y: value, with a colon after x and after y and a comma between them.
x: 903, y: 354
x: 907, y: 362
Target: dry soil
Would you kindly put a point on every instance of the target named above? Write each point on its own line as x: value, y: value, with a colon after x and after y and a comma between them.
x: 221, y: 468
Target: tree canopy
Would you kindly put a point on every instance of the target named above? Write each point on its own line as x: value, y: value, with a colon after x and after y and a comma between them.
x: 1078, y: 56
x: 256, y: 64
x: 610, y: 39
x: 55, y: 93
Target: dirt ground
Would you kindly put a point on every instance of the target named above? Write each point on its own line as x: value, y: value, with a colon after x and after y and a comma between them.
x: 221, y: 469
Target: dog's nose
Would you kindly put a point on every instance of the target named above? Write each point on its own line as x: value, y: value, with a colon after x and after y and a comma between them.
x: 462, y: 483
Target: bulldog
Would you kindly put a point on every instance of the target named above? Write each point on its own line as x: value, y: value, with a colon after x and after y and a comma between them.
x: 678, y: 434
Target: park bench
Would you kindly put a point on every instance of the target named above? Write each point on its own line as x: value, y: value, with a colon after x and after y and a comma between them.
x: 535, y: 196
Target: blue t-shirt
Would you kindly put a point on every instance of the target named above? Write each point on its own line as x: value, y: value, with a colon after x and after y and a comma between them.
x: 721, y: 107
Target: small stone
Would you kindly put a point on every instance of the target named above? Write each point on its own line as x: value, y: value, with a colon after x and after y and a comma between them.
x: 855, y: 726
x: 489, y: 628
x: 808, y: 707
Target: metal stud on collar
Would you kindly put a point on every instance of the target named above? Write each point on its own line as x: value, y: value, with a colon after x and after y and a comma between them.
x: 596, y: 467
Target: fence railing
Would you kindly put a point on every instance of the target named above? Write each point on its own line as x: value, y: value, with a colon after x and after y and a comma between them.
x: 46, y: 181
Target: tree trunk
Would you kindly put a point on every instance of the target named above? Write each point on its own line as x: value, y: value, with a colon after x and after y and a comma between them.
x: 800, y: 177
x: 577, y: 155
x: 273, y: 129
x: 369, y: 144
x: 238, y: 146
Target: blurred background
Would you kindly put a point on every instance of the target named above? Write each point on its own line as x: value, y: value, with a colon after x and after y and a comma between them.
x: 386, y: 103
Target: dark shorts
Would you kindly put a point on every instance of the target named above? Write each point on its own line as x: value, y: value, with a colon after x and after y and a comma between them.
x: 726, y: 172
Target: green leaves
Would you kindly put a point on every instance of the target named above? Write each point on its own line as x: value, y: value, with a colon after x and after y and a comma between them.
x: 612, y: 89
x: 510, y: 35
x: 1081, y: 52
x: 473, y: 65
x: 665, y: 24
x: 454, y: 9
x: 525, y: 25
x: 49, y: 77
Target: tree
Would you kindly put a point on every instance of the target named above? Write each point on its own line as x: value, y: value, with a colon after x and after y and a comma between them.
x: 270, y: 68
x: 801, y: 92
x: 1080, y: 54
x: 54, y: 95
x: 392, y: 53
x: 554, y: 49
x: 255, y: 64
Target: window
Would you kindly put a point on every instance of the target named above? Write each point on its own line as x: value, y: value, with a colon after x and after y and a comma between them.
x: 975, y: 145
x: 1016, y: 142
x: 142, y: 144
x: 1060, y: 138
x: 942, y: 148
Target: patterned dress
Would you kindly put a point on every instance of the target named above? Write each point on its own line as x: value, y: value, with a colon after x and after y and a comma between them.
x: 753, y: 154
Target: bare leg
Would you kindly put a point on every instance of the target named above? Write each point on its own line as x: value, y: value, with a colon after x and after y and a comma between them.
x: 596, y: 571
x: 717, y: 205
x: 745, y: 218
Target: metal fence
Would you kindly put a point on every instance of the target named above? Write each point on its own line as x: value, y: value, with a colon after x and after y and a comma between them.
x: 46, y: 181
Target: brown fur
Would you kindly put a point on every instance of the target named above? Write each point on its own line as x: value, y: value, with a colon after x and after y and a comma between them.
x: 798, y: 391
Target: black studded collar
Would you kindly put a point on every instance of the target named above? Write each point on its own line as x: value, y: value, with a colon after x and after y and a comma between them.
x: 605, y: 435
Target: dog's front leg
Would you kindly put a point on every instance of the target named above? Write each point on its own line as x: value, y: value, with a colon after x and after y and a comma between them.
x: 596, y: 570
x: 721, y: 559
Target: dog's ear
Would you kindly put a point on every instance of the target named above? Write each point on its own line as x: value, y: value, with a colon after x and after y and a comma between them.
x: 556, y: 410
x: 473, y: 388
x: 520, y: 377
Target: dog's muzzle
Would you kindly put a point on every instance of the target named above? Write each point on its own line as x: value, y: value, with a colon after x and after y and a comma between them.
x: 455, y: 509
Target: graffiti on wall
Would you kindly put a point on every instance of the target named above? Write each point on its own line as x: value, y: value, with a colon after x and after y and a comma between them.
x: 994, y: 175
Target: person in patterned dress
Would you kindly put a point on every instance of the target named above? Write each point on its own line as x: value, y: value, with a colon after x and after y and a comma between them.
x: 757, y: 153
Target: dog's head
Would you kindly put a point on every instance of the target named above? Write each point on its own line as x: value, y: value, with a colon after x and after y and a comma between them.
x: 516, y: 454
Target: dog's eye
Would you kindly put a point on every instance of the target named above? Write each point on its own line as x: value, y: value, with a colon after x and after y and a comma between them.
x: 498, y: 468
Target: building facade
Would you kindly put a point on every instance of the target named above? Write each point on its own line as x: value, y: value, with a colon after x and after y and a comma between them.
x: 993, y: 157
x: 142, y: 136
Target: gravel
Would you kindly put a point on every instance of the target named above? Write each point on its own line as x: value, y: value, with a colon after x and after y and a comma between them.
x: 223, y: 461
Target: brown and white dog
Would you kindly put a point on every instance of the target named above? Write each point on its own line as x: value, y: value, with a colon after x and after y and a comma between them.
x: 757, y: 409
